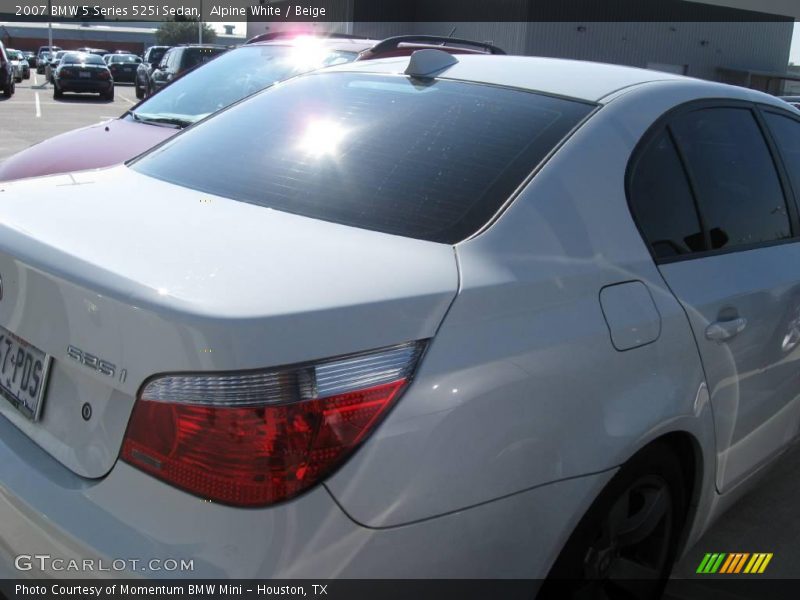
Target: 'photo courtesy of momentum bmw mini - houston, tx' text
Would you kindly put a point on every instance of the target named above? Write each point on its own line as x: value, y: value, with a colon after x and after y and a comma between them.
x: 421, y: 299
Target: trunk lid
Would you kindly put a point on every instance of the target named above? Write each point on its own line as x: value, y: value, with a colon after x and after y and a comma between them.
x: 102, y: 145
x: 149, y: 278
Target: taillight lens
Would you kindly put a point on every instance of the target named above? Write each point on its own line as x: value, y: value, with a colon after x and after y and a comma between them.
x: 104, y: 74
x: 65, y: 73
x: 253, y: 439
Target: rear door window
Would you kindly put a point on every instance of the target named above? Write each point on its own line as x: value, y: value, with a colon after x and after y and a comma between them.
x: 662, y: 201
x: 433, y: 160
x: 786, y: 133
x: 738, y: 190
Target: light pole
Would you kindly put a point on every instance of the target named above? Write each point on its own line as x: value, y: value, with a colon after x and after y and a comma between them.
x: 50, y: 25
x: 200, y: 25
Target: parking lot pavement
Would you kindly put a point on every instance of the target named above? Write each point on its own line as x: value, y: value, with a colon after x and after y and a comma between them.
x: 32, y: 115
x: 763, y: 521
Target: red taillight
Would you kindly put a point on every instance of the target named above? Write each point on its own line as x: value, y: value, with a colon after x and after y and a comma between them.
x: 230, y: 447
x: 103, y: 74
x: 65, y: 73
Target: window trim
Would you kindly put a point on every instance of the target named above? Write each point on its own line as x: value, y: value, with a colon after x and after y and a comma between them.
x: 662, y: 124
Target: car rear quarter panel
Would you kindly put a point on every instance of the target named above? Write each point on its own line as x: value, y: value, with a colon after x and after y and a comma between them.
x: 132, y: 516
x: 522, y: 385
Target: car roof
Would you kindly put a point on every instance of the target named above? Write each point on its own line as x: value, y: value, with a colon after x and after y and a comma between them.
x: 581, y: 80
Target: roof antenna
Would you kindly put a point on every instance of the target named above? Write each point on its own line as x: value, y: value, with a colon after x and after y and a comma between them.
x: 426, y: 64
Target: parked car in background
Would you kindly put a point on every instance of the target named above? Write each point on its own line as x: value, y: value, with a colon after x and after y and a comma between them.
x: 31, y: 58
x: 14, y: 61
x: 52, y: 64
x: 482, y: 317
x: 83, y: 73
x: 19, y: 64
x: 179, y: 59
x: 793, y: 100
x: 123, y: 67
x: 43, y: 57
x: 222, y: 81
x: 152, y: 57
x: 7, y: 73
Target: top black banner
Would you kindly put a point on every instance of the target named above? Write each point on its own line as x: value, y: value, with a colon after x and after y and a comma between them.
x: 336, y: 11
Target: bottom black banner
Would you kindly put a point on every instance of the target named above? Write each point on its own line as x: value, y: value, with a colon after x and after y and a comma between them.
x: 370, y: 589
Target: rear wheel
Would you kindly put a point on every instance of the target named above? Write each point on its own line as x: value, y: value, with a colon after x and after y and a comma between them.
x: 9, y: 89
x: 57, y: 93
x: 109, y: 95
x: 139, y: 91
x: 625, y: 545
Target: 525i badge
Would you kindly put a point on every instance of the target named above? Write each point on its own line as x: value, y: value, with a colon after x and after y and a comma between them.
x: 94, y: 362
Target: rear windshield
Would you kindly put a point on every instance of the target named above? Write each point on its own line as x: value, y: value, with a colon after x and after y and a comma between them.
x: 74, y: 58
x: 125, y: 58
x: 426, y: 160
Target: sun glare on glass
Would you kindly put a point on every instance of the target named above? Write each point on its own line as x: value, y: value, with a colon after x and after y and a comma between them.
x: 307, y: 53
x: 321, y: 138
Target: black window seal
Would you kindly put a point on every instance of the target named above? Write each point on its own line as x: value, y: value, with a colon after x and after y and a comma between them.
x: 662, y: 123
x: 692, y: 184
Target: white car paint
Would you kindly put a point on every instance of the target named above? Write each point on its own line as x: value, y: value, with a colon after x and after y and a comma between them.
x: 522, y: 408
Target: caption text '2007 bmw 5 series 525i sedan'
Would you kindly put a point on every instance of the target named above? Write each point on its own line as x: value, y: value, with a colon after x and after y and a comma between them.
x: 431, y: 317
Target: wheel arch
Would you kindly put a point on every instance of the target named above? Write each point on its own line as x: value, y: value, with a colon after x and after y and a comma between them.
x: 688, y: 449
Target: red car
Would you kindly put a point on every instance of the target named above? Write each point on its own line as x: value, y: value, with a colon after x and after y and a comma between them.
x: 219, y: 83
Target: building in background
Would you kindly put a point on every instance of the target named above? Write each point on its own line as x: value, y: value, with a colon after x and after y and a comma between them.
x: 133, y: 37
x: 699, y: 39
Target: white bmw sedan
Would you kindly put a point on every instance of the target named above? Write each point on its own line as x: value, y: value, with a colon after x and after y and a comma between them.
x: 495, y: 317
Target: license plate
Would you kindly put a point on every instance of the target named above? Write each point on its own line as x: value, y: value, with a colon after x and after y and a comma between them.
x: 127, y: 69
x: 84, y: 74
x: 23, y: 374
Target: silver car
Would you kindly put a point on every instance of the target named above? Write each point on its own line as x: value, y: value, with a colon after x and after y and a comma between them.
x: 438, y: 317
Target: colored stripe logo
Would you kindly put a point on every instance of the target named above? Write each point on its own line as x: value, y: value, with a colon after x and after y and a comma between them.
x: 734, y: 563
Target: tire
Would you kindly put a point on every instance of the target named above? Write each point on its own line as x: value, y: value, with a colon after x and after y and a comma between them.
x: 626, y: 543
x: 9, y: 89
x: 109, y: 95
x: 57, y: 93
x: 139, y: 91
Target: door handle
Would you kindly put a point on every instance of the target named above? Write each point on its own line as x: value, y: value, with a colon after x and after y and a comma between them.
x: 722, y: 331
